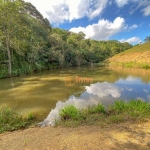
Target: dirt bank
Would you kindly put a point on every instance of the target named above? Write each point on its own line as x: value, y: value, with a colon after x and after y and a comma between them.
x: 124, y: 136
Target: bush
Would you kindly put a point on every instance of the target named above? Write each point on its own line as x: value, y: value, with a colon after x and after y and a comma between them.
x: 70, y: 112
x: 10, y: 120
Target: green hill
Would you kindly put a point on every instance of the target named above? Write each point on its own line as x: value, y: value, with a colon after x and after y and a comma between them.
x: 138, y: 56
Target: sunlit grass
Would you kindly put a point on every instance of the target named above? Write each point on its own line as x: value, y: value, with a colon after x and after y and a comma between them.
x: 120, y: 111
x: 11, y: 120
x: 138, y: 56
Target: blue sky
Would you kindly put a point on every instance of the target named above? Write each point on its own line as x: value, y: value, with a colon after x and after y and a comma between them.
x: 123, y: 20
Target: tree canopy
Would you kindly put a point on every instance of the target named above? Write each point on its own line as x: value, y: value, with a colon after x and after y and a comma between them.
x: 147, y: 39
x: 29, y: 43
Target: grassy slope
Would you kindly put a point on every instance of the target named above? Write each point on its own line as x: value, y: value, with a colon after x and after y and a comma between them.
x: 138, y: 56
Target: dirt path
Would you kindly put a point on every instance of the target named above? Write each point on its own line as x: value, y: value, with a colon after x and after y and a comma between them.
x: 113, y: 137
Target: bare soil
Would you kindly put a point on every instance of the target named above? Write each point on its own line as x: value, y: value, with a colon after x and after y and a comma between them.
x: 122, y: 136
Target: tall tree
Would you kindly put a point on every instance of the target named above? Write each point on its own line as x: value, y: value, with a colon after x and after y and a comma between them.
x: 10, y: 27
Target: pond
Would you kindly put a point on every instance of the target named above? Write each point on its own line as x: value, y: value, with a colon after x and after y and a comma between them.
x: 39, y: 92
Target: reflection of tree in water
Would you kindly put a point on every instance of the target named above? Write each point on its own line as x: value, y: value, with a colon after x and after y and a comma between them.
x: 70, y: 81
x: 137, y: 72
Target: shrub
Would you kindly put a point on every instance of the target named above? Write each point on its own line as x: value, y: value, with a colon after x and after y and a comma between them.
x: 10, y: 120
x: 70, y: 112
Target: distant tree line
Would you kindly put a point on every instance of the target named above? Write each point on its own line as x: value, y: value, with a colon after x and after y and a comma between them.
x: 29, y: 43
x: 147, y: 39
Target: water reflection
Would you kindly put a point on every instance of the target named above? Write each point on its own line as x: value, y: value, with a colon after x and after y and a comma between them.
x: 103, y: 93
x: 40, y: 92
x: 133, y: 88
x: 71, y: 80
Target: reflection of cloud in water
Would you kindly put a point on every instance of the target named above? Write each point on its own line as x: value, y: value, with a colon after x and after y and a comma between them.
x: 129, y: 80
x: 103, y: 89
x: 146, y: 91
x: 104, y: 93
x: 92, y: 96
x: 129, y: 89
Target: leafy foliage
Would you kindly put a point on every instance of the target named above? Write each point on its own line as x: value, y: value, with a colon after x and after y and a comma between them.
x: 29, y: 43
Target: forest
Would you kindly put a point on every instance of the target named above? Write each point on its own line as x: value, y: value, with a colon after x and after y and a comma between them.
x: 29, y: 43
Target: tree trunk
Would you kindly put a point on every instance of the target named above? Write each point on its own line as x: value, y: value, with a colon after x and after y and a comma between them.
x: 9, y: 58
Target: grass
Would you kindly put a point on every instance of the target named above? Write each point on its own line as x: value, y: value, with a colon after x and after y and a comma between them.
x: 120, y: 111
x: 138, y: 56
x: 10, y: 120
x: 130, y: 65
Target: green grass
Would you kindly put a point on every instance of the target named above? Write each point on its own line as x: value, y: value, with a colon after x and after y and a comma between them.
x: 130, y: 65
x: 120, y: 111
x: 10, y: 120
x: 140, y: 48
x: 138, y: 56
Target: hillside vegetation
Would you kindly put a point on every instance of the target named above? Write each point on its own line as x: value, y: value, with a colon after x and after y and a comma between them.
x: 29, y: 43
x: 138, y: 56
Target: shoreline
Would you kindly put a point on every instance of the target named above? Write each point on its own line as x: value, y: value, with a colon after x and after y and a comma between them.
x: 111, y: 137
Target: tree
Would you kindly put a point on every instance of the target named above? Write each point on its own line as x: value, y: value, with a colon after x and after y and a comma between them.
x: 147, y: 39
x: 11, y: 28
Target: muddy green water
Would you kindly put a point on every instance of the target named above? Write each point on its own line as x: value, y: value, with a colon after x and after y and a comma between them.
x: 39, y: 92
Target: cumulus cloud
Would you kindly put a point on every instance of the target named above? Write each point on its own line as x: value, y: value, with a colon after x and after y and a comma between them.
x: 59, y: 11
x: 103, y: 29
x: 131, y: 40
x: 146, y: 11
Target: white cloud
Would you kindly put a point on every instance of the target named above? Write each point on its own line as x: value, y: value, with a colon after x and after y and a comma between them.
x: 121, y: 3
x: 146, y: 11
x: 131, y: 40
x: 103, y: 29
x: 141, y: 3
x: 133, y: 27
x: 95, y: 7
x: 58, y: 11
x: 110, y: 3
